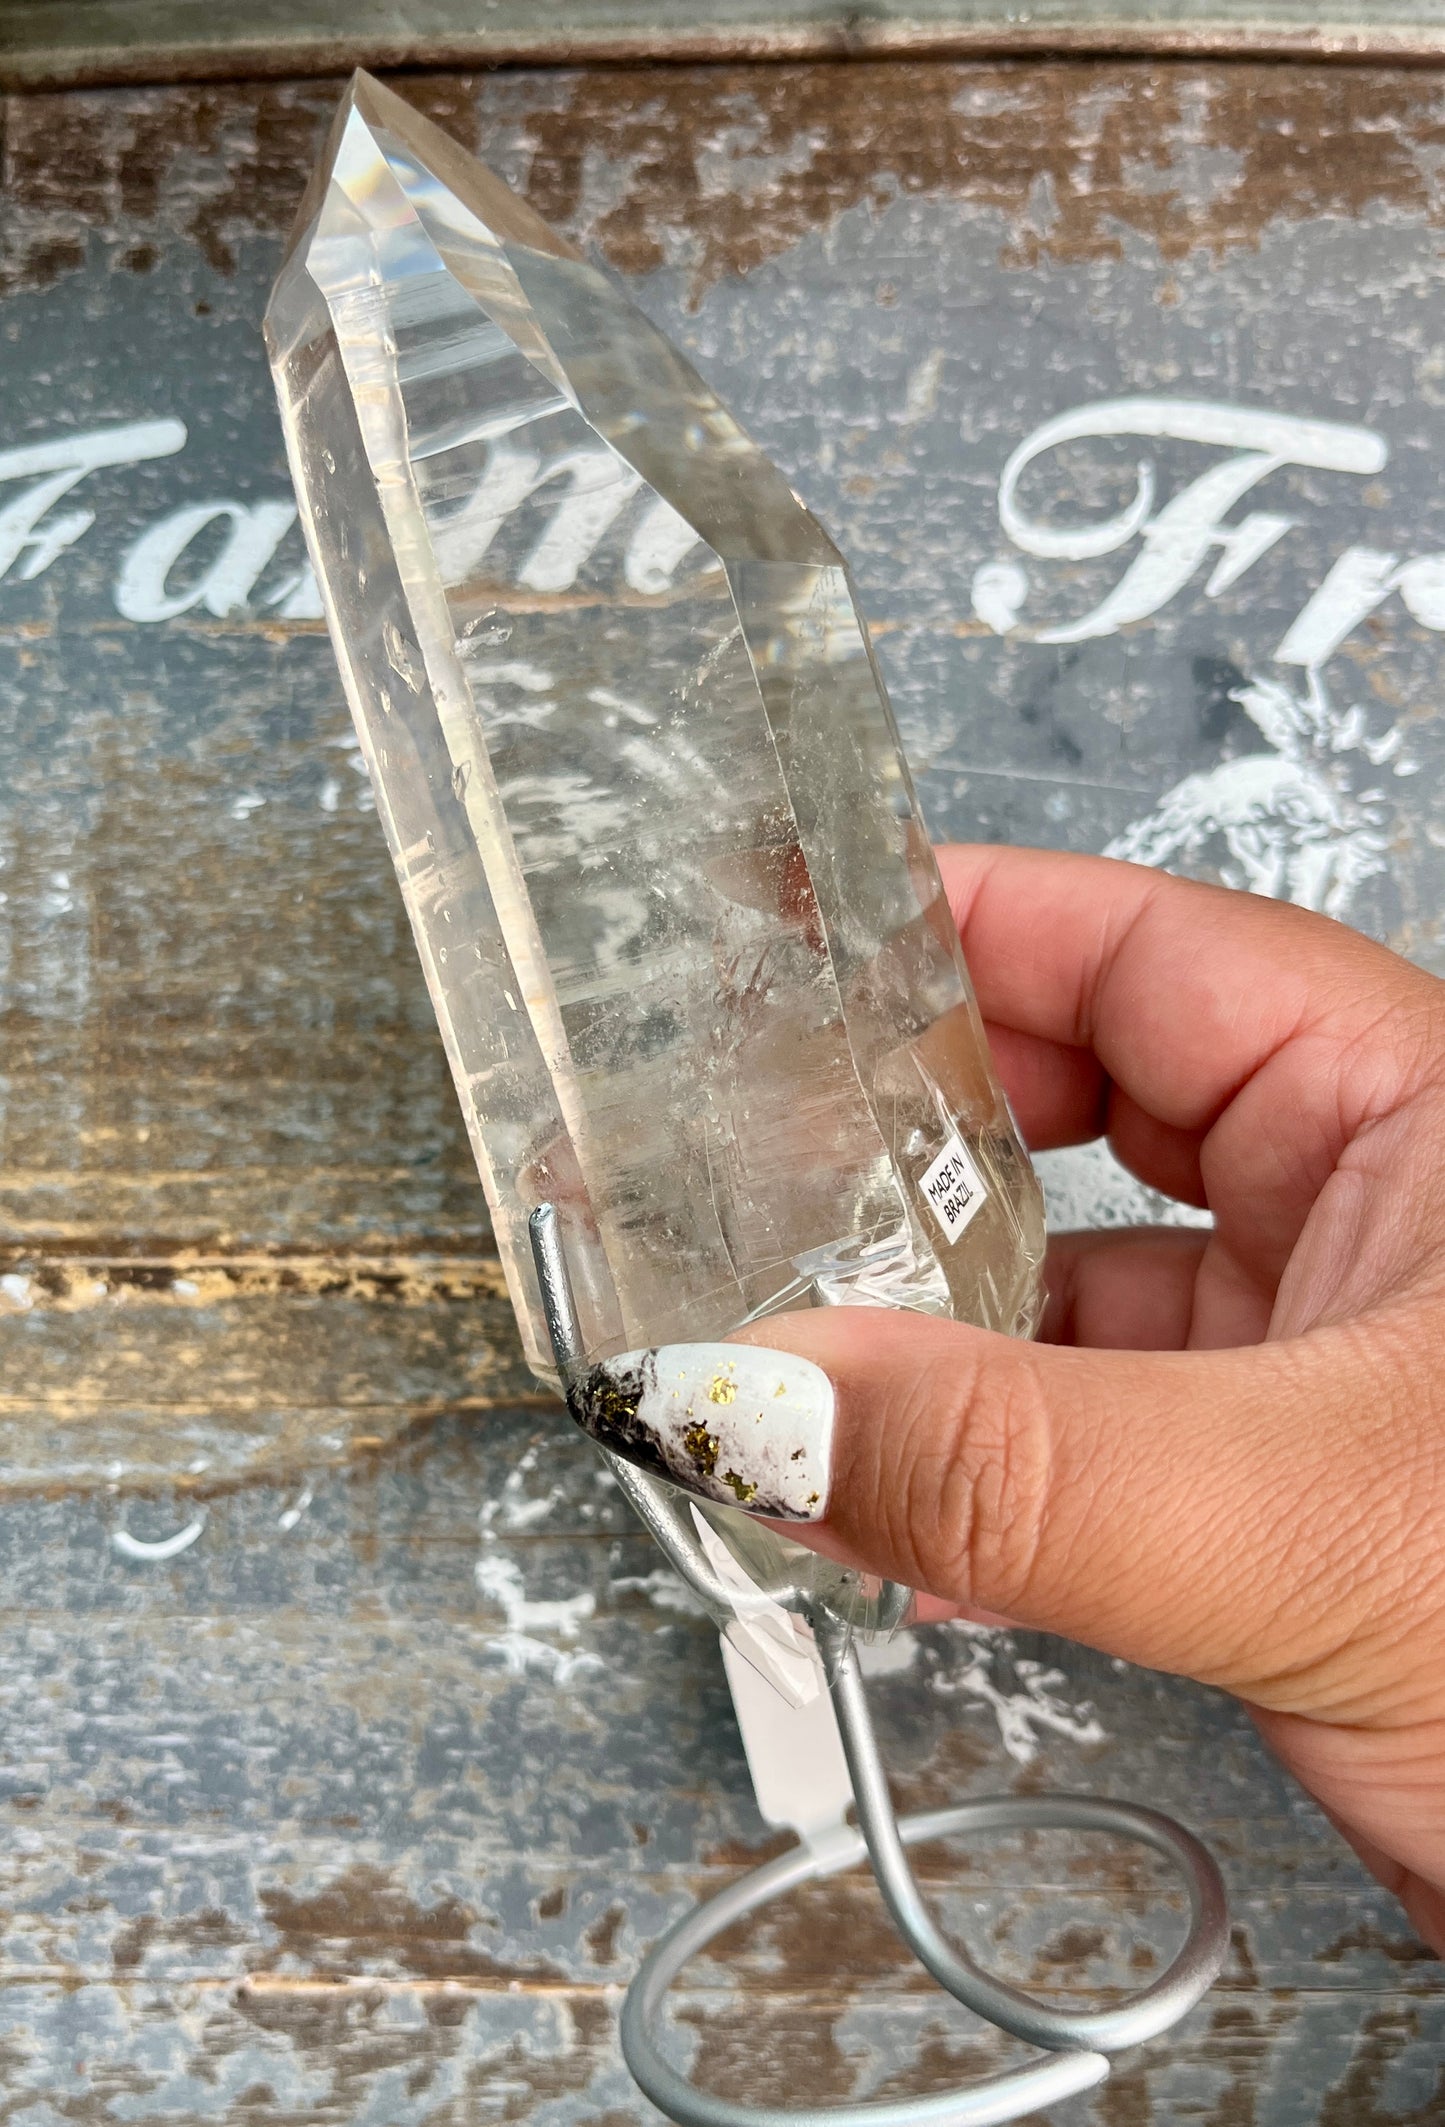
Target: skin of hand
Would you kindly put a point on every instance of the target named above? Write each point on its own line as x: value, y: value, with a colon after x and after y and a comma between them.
x: 1226, y: 1457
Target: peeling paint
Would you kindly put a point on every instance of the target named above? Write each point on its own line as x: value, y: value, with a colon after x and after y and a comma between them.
x: 521, y: 1648
x: 162, y: 1547
x: 719, y: 168
x: 728, y: 167
x: 1035, y: 1706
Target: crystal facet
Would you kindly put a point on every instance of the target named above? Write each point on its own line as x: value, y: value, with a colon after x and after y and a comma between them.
x: 694, y: 968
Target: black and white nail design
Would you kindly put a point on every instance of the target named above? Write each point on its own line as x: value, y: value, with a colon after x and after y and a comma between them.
x: 747, y: 1427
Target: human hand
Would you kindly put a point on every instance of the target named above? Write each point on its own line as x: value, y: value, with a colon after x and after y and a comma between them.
x: 1228, y: 1457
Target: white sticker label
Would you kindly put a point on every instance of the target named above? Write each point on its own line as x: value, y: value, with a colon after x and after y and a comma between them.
x: 794, y: 1752
x: 954, y: 1188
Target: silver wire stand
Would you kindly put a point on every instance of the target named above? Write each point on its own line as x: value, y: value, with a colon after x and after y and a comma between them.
x: 1076, y: 2043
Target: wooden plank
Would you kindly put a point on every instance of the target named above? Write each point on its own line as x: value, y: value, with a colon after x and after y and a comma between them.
x: 321, y: 2055
x: 359, y: 1805
x: 68, y: 43
x: 202, y: 1370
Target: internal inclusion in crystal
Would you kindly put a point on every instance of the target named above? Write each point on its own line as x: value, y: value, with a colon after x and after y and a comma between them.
x: 695, y: 972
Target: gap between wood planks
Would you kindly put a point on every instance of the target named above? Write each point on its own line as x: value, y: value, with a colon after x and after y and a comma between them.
x: 104, y: 42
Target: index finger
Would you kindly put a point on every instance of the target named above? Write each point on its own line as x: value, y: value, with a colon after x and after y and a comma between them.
x: 1182, y: 991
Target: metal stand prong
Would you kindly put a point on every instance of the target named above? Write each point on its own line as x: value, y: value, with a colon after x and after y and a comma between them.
x: 559, y: 1307
x: 1077, y: 2043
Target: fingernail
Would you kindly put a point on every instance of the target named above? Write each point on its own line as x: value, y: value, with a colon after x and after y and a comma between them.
x: 747, y: 1427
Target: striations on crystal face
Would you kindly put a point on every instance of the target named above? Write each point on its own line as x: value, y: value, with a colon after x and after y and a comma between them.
x: 695, y: 972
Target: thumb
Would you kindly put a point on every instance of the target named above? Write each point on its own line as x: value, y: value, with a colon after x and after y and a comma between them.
x: 1216, y: 1513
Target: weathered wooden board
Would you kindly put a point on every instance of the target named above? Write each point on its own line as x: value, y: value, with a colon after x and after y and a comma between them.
x: 362, y: 1805
x: 54, y: 43
x: 309, y: 1812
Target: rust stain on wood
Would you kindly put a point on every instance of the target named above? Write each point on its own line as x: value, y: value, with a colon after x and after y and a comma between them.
x: 942, y: 2061
x: 215, y: 165
x: 1124, y: 2100
x: 729, y: 167
x: 209, y: 1929
x: 363, y: 1916
x: 601, y: 1937
x: 345, y: 2035
x: 1240, y: 2040
x: 822, y: 1930
x: 522, y: 2081
x: 769, y: 2058
x: 735, y: 1853
x: 724, y: 167
x: 321, y: 2024
x: 1071, y: 1946
x: 1399, y: 1949
x: 1359, y: 2098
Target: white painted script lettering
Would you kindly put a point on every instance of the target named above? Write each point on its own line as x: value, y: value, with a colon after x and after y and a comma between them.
x: 1303, y: 813
x: 1360, y: 581
x: 223, y: 587
x: 29, y: 535
x: 1178, y: 539
x: 593, y: 493
x: 596, y: 490
x: 1306, y: 816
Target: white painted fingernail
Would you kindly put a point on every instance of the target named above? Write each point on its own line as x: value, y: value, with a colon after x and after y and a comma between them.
x: 735, y: 1423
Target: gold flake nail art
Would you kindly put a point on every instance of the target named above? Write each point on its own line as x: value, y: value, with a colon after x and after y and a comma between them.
x: 765, y: 1443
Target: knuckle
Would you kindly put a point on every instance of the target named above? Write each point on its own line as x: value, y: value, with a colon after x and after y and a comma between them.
x: 978, y: 1481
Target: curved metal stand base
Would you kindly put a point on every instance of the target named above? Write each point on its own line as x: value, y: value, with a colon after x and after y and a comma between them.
x: 1080, y: 2041
x: 1002, y: 2097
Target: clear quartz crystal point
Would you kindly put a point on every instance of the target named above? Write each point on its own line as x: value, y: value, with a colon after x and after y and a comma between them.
x: 695, y: 972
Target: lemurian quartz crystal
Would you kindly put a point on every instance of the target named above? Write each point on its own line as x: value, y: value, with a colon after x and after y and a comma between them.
x: 695, y: 972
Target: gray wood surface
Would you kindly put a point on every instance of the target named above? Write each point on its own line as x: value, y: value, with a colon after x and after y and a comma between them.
x: 361, y: 1806
x: 51, y: 43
